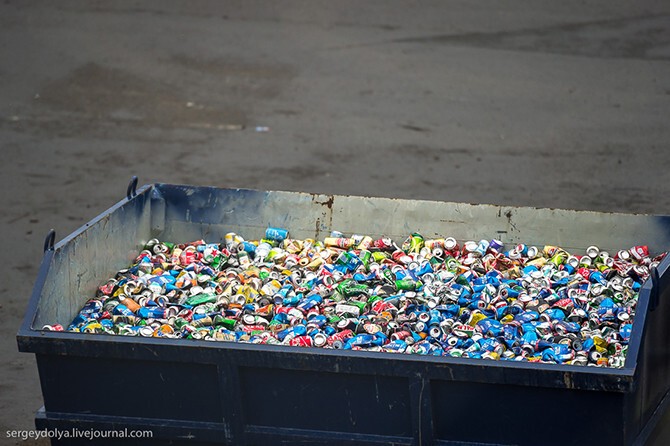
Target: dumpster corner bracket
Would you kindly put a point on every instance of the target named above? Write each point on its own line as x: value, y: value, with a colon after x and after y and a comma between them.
x: 131, y: 192
x: 50, y: 240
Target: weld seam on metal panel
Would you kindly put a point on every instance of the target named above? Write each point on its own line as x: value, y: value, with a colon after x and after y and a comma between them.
x: 422, y: 413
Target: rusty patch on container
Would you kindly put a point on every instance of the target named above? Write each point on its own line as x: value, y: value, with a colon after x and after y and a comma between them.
x: 328, y: 203
x: 512, y: 226
x: 329, y: 213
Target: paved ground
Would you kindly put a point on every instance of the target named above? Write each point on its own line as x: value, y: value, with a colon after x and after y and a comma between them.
x: 539, y: 103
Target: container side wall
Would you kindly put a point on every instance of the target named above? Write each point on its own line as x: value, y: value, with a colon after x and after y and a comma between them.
x: 195, y: 212
x: 518, y: 415
x: 365, y: 404
x: 653, y: 359
x: 87, y: 259
x: 135, y: 389
x: 571, y: 230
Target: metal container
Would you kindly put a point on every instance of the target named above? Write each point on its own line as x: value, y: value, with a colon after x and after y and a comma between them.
x: 203, y: 392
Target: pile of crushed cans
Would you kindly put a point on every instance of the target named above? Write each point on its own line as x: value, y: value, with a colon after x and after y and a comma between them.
x: 428, y: 297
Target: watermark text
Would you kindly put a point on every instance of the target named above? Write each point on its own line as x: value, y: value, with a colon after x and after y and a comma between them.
x: 88, y: 434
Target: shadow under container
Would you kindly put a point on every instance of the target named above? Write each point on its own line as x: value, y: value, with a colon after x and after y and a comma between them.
x: 204, y: 393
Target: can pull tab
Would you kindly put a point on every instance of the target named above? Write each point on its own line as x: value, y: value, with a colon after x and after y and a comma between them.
x: 654, y: 296
x: 131, y: 192
x: 50, y: 240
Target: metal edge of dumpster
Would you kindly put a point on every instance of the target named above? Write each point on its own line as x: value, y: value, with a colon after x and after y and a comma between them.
x: 651, y: 395
x: 26, y: 335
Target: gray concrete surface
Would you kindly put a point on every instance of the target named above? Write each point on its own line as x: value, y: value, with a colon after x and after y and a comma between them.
x: 537, y: 103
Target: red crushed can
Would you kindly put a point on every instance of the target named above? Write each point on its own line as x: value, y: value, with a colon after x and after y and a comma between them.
x: 301, y: 341
x: 640, y: 252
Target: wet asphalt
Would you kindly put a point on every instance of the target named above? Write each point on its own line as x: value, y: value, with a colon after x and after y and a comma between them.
x: 523, y: 103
